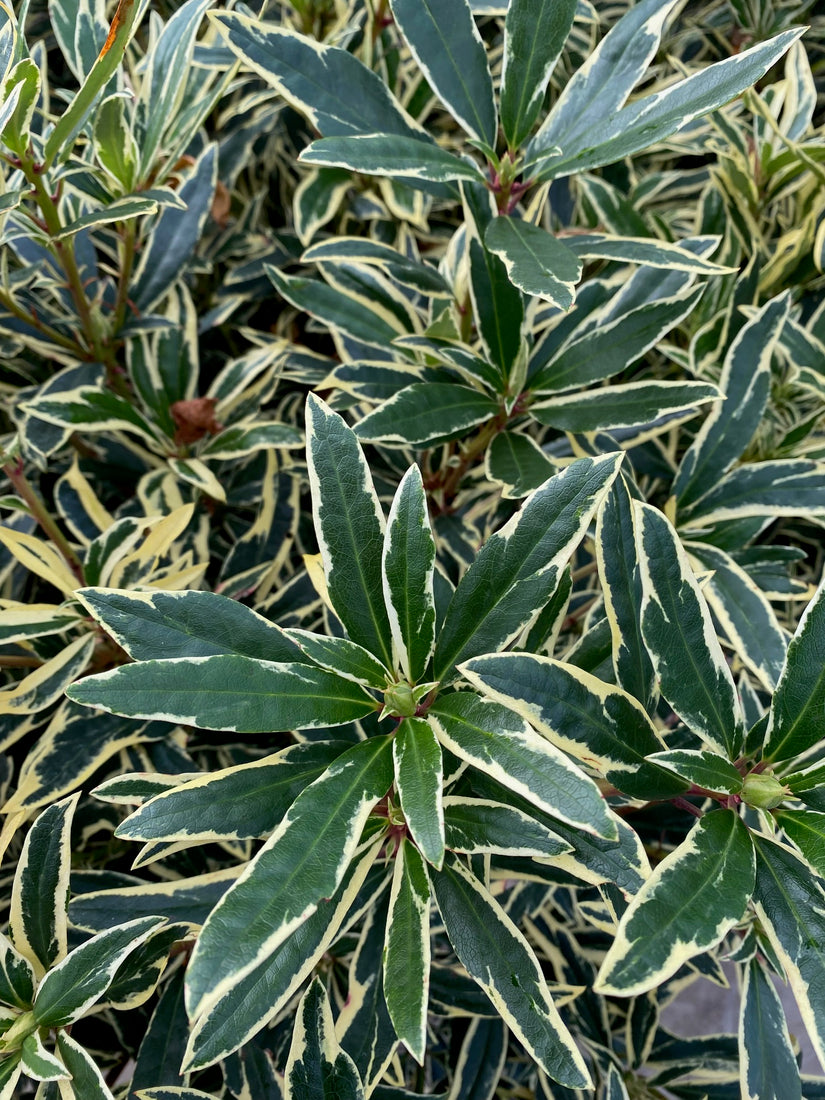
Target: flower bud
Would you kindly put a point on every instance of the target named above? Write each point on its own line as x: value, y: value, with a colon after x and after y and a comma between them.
x: 399, y: 700
x: 764, y: 792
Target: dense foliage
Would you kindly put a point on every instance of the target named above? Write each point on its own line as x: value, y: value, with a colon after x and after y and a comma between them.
x: 412, y: 614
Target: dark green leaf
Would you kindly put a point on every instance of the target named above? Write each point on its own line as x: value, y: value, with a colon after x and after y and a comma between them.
x: 534, y: 35
x: 797, y: 719
x: 303, y: 862
x: 418, y: 780
x: 407, y: 565
x: 678, y: 631
x: 317, y: 1067
x: 229, y: 693
x: 448, y: 49
x: 692, y: 899
x: 497, y: 955
x: 535, y: 261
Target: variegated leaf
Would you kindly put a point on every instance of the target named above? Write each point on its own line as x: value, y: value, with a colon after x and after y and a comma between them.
x: 87, y: 1082
x: 622, y: 592
x: 407, y: 564
x: 476, y: 826
x: 349, y: 526
x: 694, y: 896
x: 227, y: 692
x: 600, y: 725
x: 728, y: 430
x: 303, y: 862
x: 790, y: 905
x: 246, y: 801
x: 678, y: 632
x: 37, y: 920
x: 534, y: 35
x: 449, y: 51
x: 317, y: 1068
x: 769, y: 1070
x: 83, y: 976
x: 419, y: 780
x: 249, y: 1005
x: 161, y: 625
x: 518, y: 567
x: 499, y: 743
x: 797, y: 716
x: 499, y: 958
x: 407, y: 950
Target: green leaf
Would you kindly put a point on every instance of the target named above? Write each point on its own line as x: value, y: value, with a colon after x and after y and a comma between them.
x: 517, y: 463
x: 785, y: 487
x: 162, y: 625
x: 499, y: 958
x: 797, y: 719
x: 608, y: 76
x: 407, y: 950
x: 744, y: 613
x: 407, y: 564
x: 641, y: 250
x: 498, y: 307
x: 40, y: 1063
x: 692, y: 899
x: 118, y: 211
x: 535, y: 260
x: 605, y: 349
x: 37, y: 920
x: 790, y: 905
x: 418, y: 779
x: 652, y: 118
x: 427, y: 413
x: 336, y: 92
x: 243, y: 802
x: 477, y: 826
x: 349, y: 526
x: 745, y: 382
x: 83, y: 976
x: 769, y: 1068
x: 227, y: 692
x: 534, y: 35
x: 678, y: 632
x: 806, y: 828
x: 303, y: 861
x: 702, y: 768
x: 17, y: 976
x: 122, y: 28
x: 517, y: 569
x: 269, y: 986
x: 501, y: 744
x: 390, y: 155
x: 317, y: 1068
x: 448, y: 49
x: 175, y: 234
x: 622, y: 592
x: 343, y: 657
x: 596, y: 723
x: 625, y: 406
